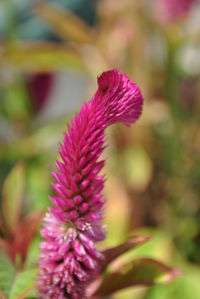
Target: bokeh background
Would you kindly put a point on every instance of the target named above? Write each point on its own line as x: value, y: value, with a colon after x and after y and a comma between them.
x: 50, y: 55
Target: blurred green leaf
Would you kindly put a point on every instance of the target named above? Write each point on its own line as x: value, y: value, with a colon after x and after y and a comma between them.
x: 33, y: 252
x: 138, y: 167
x: 117, y: 211
x: 65, y: 24
x: 38, y: 178
x: 7, y: 273
x: 16, y: 101
x: 186, y: 287
x: 38, y: 143
x: 23, y: 284
x: 39, y: 56
x: 14, y: 284
x: 12, y: 193
x: 138, y: 272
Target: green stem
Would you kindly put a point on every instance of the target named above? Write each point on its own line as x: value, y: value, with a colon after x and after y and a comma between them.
x: 172, y: 82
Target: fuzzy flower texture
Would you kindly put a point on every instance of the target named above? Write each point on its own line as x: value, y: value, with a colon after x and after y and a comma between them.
x: 69, y: 258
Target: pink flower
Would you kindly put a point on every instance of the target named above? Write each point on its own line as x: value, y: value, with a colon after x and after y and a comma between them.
x: 73, y: 225
x: 170, y: 10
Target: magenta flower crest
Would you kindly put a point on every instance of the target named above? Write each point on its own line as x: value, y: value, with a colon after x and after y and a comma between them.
x: 69, y: 258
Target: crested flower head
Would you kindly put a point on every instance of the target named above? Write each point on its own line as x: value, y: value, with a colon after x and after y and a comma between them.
x: 73, y: 225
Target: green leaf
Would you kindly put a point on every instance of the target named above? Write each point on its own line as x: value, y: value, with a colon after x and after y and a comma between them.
x: 7, y: 273
x: 40, y: 56
x: 186, y: 287
x: 33, y: 252
x: 12, y: 193
x: 17, y: 101
x: 138, y: 272
x: 23, y: 284
x: 13, y: 284
x: 138, y: 168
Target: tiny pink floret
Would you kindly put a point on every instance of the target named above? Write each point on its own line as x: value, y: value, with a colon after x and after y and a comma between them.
x: 69, y: 258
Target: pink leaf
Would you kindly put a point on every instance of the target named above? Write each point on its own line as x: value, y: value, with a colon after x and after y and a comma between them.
x: 111, y: 254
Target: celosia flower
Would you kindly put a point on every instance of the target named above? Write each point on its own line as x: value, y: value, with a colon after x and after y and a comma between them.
x: 69, y: 258
x: 170, y: 10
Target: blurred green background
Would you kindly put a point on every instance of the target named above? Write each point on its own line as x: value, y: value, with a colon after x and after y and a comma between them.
x: 50, y: 55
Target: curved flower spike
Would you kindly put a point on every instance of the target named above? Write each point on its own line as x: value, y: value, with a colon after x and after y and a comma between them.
x: 69, y: 257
